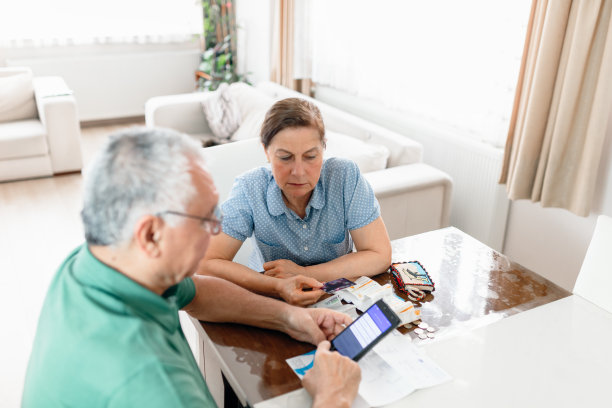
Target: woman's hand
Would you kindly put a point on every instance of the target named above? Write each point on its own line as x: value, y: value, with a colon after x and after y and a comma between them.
x: 283, y: 268
x: 299, y: 290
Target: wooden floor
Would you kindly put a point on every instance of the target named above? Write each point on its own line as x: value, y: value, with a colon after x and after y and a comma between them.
x: 39, y: 225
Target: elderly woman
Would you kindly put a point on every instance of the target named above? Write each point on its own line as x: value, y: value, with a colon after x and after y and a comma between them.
x: 304, y: 212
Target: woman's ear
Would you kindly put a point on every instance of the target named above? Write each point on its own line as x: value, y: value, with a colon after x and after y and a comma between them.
x: 266, y: 152
x: 148, y: 235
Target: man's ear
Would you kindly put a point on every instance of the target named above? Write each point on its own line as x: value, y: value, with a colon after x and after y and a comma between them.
x: 148, y: 235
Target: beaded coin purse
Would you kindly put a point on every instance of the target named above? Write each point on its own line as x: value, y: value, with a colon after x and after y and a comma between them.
x: 412, y: 279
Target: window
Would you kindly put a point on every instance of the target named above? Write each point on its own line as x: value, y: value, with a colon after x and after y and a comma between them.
x: 60, y: 22
x: 447, y: 61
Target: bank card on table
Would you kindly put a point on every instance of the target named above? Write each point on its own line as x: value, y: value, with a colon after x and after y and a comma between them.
x: 337, y: 284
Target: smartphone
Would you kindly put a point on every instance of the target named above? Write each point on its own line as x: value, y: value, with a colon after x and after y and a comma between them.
x: 367, y: 330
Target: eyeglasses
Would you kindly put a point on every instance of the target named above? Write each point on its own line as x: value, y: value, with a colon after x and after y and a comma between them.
x: 212, y: 225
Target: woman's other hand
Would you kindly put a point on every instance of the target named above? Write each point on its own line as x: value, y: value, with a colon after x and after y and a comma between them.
x: 283, y: 268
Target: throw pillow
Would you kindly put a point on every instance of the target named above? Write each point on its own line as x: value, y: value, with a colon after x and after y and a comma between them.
x: 222, y: 113
x: 368, y: 157
x: 17, y: 98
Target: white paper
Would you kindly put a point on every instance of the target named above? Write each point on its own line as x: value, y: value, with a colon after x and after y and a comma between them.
x: 393, y: 369
x: 335, y: 303
x: 411, y: 362
x: 380, y: 383
x: 301, y: 364
x: 332, y: 302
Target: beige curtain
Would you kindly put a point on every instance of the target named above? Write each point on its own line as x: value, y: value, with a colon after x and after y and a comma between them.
x: 562, y: 104
x: 282, y: 52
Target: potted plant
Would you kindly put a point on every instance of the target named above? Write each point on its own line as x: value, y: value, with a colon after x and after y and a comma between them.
x: 218, y: 63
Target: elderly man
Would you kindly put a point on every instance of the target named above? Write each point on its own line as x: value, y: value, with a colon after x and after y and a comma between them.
x: 109, y: 332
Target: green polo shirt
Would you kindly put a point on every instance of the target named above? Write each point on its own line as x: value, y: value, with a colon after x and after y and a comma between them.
x: 103, y: 340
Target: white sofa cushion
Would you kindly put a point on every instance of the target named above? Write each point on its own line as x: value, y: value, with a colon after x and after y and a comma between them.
x: 23, y: 138
x: 17, y: 98
x: 250, y: 99
x: 369, y: 157
x: 251, y: 125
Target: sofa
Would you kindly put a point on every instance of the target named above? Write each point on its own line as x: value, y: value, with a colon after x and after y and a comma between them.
x: 39, y: 128
x: 414, y: 197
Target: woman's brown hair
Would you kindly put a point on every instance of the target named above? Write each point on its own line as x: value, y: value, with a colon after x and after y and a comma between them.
x: 288, y: 113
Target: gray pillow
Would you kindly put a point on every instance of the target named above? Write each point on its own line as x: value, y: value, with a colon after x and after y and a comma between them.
x: 222, y: 113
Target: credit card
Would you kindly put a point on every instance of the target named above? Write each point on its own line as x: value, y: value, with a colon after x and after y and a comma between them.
x: 337, y: 284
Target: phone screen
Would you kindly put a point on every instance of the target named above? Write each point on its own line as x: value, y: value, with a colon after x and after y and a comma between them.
x: 363, y: 332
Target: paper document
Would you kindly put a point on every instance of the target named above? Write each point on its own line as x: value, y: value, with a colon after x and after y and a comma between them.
x: 335, y: 303
x: 393, y: 369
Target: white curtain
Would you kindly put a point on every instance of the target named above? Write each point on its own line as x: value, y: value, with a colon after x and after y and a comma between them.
x: 562, y: 106
x: 447, y: 61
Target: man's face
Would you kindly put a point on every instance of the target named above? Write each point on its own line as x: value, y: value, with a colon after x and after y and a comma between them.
x: 186, y: 243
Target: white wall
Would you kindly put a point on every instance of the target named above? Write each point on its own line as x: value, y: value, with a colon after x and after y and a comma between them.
x: 115, y: 81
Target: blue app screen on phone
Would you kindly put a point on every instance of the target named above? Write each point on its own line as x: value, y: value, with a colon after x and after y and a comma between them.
x: 362, y: 332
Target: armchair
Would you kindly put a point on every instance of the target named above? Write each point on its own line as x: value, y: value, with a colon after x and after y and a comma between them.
x: 39, y: 128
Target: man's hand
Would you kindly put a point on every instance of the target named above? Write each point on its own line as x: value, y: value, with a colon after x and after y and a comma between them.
x: 314, y: 325
x: 282, y: 268
x: 333, y: 381
x: 292, y: 290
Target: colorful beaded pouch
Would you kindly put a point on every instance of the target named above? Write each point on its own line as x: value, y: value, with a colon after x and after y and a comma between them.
x: 412, y: 279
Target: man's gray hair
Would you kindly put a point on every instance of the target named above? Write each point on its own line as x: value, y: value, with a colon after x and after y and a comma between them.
x: 140, y: 171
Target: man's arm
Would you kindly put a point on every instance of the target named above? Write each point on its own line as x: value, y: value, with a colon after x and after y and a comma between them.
x: 218, y: 300
x: 218, y: 262
x: 373, y: 256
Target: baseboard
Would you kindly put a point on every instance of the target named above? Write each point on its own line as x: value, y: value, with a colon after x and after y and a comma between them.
x: 115, y: 121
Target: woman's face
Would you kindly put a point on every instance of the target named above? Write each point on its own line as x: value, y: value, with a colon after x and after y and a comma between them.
x: 296, y: 156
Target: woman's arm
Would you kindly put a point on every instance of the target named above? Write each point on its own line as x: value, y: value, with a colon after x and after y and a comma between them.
x: 373, y: 256
x: 218, y: 262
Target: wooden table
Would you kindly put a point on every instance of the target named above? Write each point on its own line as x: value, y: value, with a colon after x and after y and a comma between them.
x: 475, y: 286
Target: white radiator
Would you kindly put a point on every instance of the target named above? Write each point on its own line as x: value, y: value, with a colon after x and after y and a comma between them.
x: 479, y: 205
x: 116, y: 85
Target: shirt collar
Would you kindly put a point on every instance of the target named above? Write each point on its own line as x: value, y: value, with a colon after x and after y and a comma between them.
x: 276, y: 205
x: 141, y: 301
